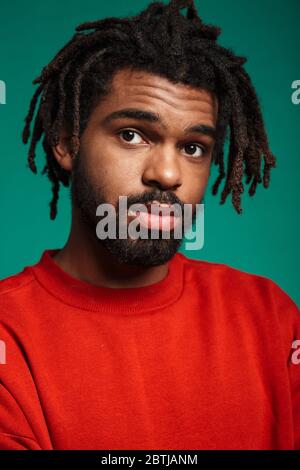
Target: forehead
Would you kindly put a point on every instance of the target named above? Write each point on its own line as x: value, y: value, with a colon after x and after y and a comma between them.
x: 142, y: 89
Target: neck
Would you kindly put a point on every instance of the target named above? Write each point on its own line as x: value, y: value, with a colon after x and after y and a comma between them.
x: 84, y: 258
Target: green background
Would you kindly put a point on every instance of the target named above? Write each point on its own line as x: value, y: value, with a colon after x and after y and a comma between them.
x: 264, y: 239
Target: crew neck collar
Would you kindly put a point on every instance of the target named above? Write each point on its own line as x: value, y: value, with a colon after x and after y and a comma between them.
x: 127, y: 300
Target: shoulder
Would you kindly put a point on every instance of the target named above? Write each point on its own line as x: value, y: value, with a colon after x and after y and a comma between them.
x: 221, y: 272
x: 243, y: 286
x: 15, y: 290
x: 11, y: 285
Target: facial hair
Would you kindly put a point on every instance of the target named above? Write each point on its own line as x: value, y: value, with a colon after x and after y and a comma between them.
x: 140, y: 252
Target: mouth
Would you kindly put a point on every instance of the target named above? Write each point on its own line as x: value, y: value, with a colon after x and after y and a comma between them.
x: 156, y: 215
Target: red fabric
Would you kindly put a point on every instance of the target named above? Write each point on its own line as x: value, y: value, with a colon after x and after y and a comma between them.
x: 199, y: 360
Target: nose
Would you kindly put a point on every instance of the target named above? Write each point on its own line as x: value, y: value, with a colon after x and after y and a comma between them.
x: 162, y: 169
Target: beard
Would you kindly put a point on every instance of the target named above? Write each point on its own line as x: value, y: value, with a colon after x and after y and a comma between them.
x: 138, y: 251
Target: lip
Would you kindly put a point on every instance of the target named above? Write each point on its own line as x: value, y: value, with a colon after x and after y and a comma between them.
x: 158, y: 222
x: 156, y: 215
x: 163, y: 209
x: 156, y: 218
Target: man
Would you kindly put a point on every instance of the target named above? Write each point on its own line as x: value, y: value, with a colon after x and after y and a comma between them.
x: 124, y: 343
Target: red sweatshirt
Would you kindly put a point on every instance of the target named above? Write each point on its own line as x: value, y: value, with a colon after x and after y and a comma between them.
x: 202, y: 359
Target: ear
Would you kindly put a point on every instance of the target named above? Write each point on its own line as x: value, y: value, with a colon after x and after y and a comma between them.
x: 62, y: 152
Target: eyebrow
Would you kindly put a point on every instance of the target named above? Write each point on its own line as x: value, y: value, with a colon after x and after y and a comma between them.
x: 143, y: 115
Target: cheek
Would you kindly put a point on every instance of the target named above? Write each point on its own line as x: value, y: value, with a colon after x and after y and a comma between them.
x: 116, y: 171
x: 195, y: 182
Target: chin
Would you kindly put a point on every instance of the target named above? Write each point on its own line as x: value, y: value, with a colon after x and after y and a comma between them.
x: 142, y: 252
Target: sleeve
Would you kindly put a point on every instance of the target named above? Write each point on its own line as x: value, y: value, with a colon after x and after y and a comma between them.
x: 289, y: 318
x: 15, y: 431
x: 22, y: 423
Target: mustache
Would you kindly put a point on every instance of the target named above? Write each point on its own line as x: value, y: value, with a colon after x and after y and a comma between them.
x: 149, y: 196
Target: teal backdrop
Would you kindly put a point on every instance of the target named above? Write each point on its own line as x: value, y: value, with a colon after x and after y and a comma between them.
x: 263, y: 240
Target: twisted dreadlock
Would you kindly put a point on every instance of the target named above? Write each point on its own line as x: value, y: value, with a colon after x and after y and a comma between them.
x: 163, y: 41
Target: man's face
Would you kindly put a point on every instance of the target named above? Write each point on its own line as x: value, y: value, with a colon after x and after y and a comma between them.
x: 150, y: 156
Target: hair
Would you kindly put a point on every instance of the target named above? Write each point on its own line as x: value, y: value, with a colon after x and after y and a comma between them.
x: 162, y: 41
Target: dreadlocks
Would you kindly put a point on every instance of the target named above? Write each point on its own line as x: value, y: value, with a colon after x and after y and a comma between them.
x: 158, y: 40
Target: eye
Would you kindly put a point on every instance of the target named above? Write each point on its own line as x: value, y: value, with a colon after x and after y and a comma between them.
x: 128, y: 136
x: 194, y: 150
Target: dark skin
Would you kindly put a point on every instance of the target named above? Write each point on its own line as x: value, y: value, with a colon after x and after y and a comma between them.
x: 159, y: 154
